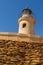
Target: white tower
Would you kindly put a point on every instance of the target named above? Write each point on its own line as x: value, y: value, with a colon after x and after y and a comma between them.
x: 26, y: 22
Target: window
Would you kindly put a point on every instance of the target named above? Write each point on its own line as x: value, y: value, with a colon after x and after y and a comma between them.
x: 24, y: 25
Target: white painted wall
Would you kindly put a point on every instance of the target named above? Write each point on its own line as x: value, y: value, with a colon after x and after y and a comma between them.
x: 29, y: 29
x: 25, y: 30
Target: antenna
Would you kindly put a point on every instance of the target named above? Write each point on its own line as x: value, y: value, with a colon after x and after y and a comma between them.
x: 27, y: 4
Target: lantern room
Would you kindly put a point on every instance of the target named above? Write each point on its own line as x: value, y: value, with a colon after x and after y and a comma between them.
x: 27, y: 11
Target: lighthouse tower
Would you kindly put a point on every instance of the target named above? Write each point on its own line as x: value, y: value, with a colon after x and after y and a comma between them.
x: 26, y: 22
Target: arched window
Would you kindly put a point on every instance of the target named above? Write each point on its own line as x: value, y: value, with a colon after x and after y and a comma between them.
x: 24, y: 25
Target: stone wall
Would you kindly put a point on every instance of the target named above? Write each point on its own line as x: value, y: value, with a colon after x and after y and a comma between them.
x: 20, y: 53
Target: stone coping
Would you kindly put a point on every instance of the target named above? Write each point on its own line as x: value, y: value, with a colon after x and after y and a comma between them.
x: 20, y: 37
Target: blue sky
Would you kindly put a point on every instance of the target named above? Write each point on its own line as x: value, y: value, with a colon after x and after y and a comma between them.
x: 10, y: 11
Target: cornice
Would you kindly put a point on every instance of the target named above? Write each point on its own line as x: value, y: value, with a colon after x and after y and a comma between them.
x: 20, y: 37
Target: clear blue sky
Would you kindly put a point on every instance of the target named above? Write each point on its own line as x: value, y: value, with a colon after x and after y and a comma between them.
x: 10, y: 11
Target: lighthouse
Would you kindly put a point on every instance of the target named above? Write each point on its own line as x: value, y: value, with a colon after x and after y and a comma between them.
x: 26, y: 22
x: 21, y: 48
